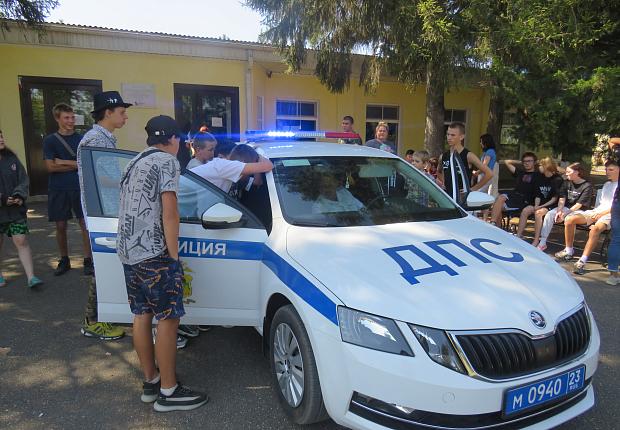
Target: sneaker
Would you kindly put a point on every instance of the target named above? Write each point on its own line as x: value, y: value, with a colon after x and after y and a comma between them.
x: 205, y: 327
x: 563, y: 255
x: 183, y: 399
x: 89, y: 267
x: 102, y: 330
x: 541, y: 247
x: 34, y: 281
x: 181, y: 340
x: 579, y: 268
x: 150, y: 391
x: 2, y: 281
x: 64, y: 265
x: 613, y: 280
x: 188, y: 330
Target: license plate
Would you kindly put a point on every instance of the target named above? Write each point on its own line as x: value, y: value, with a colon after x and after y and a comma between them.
x: 543, y: 391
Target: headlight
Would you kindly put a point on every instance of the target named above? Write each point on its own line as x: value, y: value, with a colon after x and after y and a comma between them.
x: 371, y: 331
x: 438, y: 347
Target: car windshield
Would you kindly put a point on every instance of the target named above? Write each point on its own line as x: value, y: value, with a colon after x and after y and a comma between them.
x: 353, y: 191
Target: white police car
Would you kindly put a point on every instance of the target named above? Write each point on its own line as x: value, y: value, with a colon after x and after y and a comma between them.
x: 381, y: 303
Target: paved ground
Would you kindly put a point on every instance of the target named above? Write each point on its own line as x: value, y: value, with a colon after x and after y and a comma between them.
x: 54, y: 378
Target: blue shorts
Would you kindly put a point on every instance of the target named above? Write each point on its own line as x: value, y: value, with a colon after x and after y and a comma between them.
x: 155, y: 286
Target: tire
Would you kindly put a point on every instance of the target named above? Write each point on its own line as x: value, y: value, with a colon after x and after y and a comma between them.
x: 293, y: 368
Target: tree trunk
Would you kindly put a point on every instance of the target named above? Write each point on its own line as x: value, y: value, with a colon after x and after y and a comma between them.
x: 496, y: 116
x: 434, y: 134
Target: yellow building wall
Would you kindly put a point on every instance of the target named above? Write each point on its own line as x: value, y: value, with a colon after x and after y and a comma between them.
x: 332, y: 107
x: 113, y: 69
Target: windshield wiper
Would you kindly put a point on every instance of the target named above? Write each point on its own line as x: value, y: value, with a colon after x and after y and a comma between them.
x: 315, y: 224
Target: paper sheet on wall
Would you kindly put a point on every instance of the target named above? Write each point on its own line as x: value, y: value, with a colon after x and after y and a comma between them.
x: 216, y: 122
x: 79, y: 119
x: 140, y: 95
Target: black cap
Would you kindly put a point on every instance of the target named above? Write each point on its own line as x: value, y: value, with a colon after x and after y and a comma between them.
x: 162, y: 125
x: 108, y: 100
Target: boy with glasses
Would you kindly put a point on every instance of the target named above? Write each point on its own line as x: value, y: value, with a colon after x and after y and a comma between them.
x: 528, y: 179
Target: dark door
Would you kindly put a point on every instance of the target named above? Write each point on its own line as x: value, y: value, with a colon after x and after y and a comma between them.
x: 214, y: 106
x: 38, y: 97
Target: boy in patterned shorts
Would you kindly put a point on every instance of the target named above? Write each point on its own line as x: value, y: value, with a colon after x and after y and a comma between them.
x: 147, y: 245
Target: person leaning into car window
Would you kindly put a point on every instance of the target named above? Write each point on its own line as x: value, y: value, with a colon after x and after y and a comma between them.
x: 224, y: 172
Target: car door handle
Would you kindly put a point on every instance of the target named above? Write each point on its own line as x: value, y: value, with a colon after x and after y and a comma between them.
x: 108, y: 242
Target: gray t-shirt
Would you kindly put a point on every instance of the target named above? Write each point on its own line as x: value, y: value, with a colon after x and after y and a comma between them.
x: 384, y: 146
x: 140, y: 225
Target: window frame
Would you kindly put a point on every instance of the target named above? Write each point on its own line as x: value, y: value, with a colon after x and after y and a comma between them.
x: 389, y: 121
x: 298, y: 117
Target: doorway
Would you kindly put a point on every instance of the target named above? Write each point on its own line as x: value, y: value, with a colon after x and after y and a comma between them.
x: 217, y: 107
x: 38, y: 96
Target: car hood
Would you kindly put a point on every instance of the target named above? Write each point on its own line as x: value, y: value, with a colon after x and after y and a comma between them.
x: 436, y: 274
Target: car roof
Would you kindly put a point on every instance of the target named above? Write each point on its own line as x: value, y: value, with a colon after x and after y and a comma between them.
x: 294, y: 149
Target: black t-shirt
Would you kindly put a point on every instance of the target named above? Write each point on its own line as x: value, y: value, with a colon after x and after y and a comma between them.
x: 447, y: 176
x: 549, y: 187
x: 581, y: 193
x: 53, y: 148
x: 527, y: 184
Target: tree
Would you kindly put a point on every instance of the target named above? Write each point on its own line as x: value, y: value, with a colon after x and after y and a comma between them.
x: 419, y: 42
x: 27, y: 13
x: 550, y: 60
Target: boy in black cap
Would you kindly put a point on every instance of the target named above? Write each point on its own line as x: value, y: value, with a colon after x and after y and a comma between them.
x: 147, y: 245
x: 109, y: 114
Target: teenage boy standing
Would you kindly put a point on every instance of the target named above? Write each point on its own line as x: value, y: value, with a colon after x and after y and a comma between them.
x: 148, y: 234
x: 59, y: 153
x: 464, y: 164
x: 109, y: 114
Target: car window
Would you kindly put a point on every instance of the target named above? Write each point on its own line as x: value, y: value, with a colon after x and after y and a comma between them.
x: 350, y: 191
x: 193, y: 196
x: 108, y: 167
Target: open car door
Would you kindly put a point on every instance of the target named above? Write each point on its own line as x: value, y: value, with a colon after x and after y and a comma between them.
x: 221, y: 264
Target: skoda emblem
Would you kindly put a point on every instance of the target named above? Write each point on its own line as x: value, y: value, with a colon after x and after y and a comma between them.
x: 537, y: 319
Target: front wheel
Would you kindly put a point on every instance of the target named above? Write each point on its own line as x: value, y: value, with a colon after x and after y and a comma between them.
x: 294, y: 369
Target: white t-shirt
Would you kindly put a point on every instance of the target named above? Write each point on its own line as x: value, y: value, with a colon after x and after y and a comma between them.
x: 607, y: 196
x: 220, y: 172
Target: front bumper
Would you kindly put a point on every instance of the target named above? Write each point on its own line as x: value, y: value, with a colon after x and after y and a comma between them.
x: 367, y: 389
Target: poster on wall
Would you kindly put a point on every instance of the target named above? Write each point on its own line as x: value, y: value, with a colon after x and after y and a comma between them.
x: 140, y: 95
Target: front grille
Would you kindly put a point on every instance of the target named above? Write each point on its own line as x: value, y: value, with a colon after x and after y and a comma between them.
x: 508, y: 355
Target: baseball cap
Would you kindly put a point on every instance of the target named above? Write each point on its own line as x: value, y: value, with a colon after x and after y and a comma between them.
x: 162, y: 126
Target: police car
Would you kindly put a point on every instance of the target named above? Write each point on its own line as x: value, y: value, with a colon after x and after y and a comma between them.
x: 382, y: 303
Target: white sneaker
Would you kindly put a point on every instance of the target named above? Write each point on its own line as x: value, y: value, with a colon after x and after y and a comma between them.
x: 613, y: 280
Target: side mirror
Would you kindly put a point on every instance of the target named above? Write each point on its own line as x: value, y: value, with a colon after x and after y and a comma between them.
x: 220, y: 216
x: 478, y: 201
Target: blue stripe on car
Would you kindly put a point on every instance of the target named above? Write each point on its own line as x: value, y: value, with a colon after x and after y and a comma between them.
x: 252, y: 251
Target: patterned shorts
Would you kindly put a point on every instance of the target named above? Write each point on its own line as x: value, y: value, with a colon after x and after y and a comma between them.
x: 13, y: 228
x: 155, y: 286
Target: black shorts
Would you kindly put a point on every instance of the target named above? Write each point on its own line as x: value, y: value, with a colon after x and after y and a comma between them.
x: 515, y: 201
x: 61, y: 204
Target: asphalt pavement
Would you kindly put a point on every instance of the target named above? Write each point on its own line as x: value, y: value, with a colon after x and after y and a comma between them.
x: 54, y: 378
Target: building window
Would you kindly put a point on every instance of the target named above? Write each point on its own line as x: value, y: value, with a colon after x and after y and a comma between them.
x: 259, y: 113
x: 292, y: 115
x: 509, y: 145
x: 386, y: 113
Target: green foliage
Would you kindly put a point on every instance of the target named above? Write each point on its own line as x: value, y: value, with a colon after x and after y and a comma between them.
x: 31, y: 13
x: 552, y: 61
